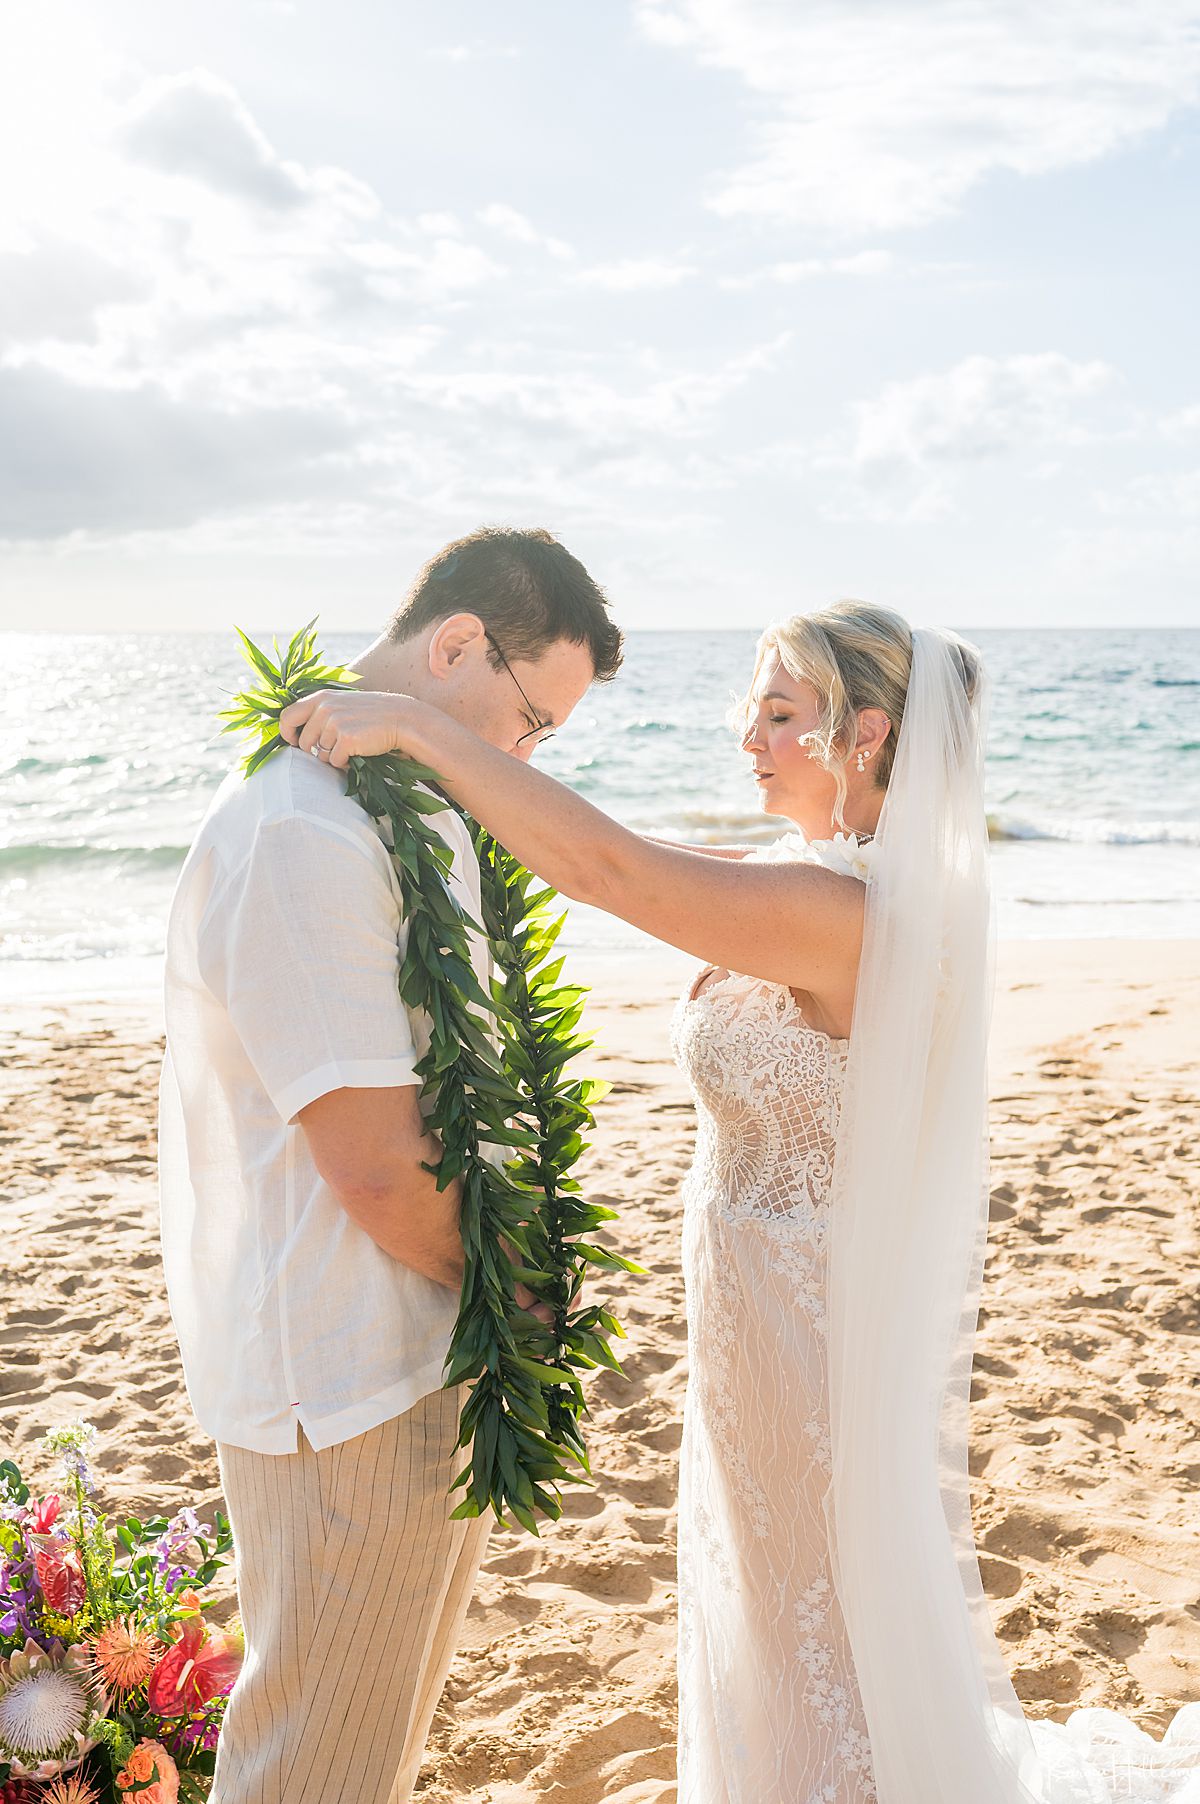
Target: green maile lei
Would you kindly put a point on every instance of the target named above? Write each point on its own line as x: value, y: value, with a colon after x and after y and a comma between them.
x: 494, y: 1077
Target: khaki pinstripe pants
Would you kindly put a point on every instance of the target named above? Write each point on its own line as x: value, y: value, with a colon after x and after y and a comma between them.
x: 353, y: 1584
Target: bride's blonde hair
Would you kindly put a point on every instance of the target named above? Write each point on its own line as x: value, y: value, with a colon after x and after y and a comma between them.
x: 855, y: 655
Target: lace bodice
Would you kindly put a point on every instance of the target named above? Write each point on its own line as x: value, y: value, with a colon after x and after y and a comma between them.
x: 767, y: 1084
x: 768, y: 1088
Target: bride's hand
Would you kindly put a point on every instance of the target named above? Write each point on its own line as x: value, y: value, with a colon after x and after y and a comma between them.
x: 340, y: 724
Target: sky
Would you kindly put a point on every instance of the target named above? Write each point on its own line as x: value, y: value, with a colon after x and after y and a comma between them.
x: 754, y: 303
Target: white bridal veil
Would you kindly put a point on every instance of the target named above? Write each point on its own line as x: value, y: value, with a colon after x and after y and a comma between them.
x: 908, y: 1233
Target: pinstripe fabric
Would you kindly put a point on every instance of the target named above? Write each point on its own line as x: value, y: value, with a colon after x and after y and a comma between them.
x: 353, y: 1584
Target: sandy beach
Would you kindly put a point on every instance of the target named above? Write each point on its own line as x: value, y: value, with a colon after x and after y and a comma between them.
x: 1086, y: 1401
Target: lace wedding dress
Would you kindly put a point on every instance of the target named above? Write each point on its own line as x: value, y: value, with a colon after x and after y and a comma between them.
x: 770, y: 1708
x: 770, y: 1711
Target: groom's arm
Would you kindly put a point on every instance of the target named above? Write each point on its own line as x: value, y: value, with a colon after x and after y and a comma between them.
x: 301, y: 946
x: 369, y: 1146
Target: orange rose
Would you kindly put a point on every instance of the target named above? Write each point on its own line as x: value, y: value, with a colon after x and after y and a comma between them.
x: 149, y: 1775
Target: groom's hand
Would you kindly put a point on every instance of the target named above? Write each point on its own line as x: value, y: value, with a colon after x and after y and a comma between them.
x: 526, y: 1298
x: 528, y: 1301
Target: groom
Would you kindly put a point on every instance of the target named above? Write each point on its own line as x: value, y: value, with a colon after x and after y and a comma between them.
x: 312, y: 1266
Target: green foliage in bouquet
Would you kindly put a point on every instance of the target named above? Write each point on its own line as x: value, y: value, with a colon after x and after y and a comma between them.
x: 493, y: 1078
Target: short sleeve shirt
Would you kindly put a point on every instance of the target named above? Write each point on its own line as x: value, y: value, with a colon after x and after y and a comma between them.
x: 284, y: 940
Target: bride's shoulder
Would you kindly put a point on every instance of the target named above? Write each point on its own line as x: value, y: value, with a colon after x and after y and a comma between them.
x: 845, y: 853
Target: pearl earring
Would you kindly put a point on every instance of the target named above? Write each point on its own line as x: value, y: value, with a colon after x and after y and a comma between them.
x: 862, y: 763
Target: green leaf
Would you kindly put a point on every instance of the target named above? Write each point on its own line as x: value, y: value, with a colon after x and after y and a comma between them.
x: 297, y: 641
x: 259, y: 659
x: 263, y: 753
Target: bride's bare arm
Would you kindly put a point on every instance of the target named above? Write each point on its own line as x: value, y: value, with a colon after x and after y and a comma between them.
x: 680, y: 845
x: 791, y: 923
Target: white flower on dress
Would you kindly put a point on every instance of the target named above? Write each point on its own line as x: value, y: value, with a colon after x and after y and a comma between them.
x: 845, y: 853
x: 859, y: 856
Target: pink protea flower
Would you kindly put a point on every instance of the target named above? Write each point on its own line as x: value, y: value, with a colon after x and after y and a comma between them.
x: 149, y: 1775
x: 125, y: 1654
x: 46, y: 1702
x: 72, y: 1788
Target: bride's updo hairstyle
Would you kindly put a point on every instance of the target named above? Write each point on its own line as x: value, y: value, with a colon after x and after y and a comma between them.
x: 855, y: 655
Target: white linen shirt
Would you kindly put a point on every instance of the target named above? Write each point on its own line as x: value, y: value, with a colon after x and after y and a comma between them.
x: 283, y: 944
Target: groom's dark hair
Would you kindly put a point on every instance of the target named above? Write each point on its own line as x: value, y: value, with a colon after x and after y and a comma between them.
x: 526, y: 588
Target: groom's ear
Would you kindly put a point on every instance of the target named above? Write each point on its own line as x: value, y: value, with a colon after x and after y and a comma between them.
x: 458, y: 638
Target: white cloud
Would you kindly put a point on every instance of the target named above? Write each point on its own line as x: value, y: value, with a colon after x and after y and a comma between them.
x: 1175, y: 492
x: 1141, y: 573
x: 880, y: 114
x: 474, y: 50
x: 115, y: 461
x: 197, y: 325
x: 202, y: 331
x: 196, y: 125
x: 397, y: 271
x: 512, y: 224
x: 910, y: 438
x: 633, y: 275
x: 188, y: 231
x: 977, y: 408
x: 808, y: 269
x: 1183, y: 423
x: 58, y: 287
x: 596, y: 415
x: 440, y: 225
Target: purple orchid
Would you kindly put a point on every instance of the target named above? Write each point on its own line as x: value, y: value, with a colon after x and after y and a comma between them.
x: 174, y: 1563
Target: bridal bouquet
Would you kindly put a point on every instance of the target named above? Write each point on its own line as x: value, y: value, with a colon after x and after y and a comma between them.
x: 112, y: 1683
x: 495, y: 1076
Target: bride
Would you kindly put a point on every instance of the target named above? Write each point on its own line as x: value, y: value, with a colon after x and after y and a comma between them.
x: 835, y: 1644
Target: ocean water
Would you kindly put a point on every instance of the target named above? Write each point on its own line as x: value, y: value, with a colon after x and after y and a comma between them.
x: 109, y: 754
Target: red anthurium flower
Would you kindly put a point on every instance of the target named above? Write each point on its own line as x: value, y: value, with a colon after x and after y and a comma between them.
x: 201, y: 1665
x: 59, y: 1573
x: 45, y: 1513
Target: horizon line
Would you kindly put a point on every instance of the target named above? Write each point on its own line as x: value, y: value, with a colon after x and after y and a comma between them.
x: 186, y: 632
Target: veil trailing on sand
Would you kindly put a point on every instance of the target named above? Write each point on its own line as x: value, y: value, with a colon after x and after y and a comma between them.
x: 908, y: 1231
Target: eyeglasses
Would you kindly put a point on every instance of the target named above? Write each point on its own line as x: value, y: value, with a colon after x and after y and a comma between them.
x: 541, y: 732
